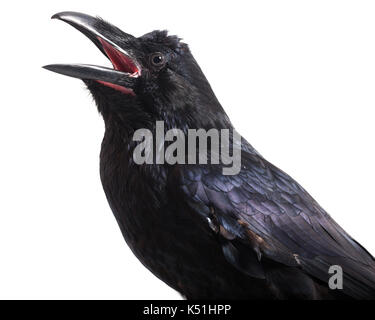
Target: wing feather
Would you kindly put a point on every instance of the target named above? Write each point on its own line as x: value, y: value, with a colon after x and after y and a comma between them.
x: 265, y: 204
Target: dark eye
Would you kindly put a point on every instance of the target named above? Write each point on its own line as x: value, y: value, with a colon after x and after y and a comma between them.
x: 157, y: 59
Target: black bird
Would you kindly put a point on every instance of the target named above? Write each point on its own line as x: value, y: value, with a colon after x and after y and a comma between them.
x: 254, y: 235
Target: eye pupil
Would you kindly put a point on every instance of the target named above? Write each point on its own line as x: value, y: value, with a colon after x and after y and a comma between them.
x: 157, y: 59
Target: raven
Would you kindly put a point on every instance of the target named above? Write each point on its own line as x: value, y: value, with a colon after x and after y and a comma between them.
x: 253, y: 235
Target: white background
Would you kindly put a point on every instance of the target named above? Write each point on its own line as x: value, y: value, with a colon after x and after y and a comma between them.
x: 297, y: 79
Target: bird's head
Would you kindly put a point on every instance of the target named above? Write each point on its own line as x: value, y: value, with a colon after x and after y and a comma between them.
x: 155, y: 73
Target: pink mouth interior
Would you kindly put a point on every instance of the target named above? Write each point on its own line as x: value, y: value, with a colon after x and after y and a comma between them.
x: 121, y: 63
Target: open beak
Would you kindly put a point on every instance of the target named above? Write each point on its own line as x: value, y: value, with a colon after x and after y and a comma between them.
x: 118, y: 46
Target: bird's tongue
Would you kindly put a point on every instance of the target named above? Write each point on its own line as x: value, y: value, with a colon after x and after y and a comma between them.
x: 120, y: 62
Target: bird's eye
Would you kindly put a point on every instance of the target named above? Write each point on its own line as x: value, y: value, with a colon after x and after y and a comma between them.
x: 157, y: 59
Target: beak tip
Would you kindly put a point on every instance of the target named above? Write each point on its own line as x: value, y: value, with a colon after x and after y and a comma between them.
x: 54, y: 68
x: 65, y: 15
x: 56, y: 16
x: 47, y: 67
